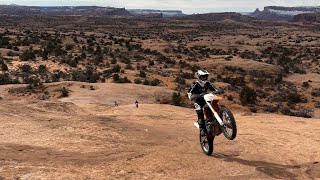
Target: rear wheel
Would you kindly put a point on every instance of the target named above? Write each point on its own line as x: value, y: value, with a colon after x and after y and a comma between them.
x: 229, y: 128
x: 206, y: 142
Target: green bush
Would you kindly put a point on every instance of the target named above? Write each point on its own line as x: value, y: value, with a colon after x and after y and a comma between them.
x: 26, y: 68
x: 155, y: 82
x: 176, y: 99
x: 5, y: 79
x: 4, y: 67
x: 64, y: 92
x: 305, y: 84
x: 253, y: 109
x: 137, y: 81
x: 294, y: 98
x: 42, y: 69
x: 116, y: 68
x: 116, y: 77
x: 146, y: 82
x: 248, y: 96
x: 142, y: 74
x: 28, y: 55
x: 180, y: 80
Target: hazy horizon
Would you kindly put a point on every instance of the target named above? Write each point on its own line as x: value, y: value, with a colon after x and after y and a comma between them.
x: 186, y: 6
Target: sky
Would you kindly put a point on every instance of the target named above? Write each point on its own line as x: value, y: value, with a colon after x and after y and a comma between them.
x: 187, y: 6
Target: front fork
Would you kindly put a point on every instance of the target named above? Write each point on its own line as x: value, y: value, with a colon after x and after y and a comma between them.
x: 215, y: 113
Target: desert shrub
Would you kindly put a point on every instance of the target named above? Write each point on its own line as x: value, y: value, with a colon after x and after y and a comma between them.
x: 42, y: 69
x: 26, y: 68
x: 155, y: 82
x: 176, y: 99
x: 129, y: 66
x: 116, y: 68
x: 10, y: 53
x: 64, y: 92
x: 315, y: 92
x: 248, y: 96
x: 294, y: 98
x: 3, y: 65
x: 93, y: 78
x: 306, y: 113
x: 278, y: 79
x: 142, y: 74
x: 116, y: 77
x: 114, y: 61
x: 187, y: 75
x: 137, y: 81
x: 151, y: 63
x: 180, y: 80
x: 270, y: 108
x: 238, y: 81
x: 28, y: 55
x: 88, y: 75
x: 317, y: 104
x: 305, y: 84
x: 32, y: 80
x: 253, y: 109
x: 69, y: 47
x: 286, y: 111
x: 146, y: 82
x: 123, y: 80
x: 5, y: 79
x: 229, y: 58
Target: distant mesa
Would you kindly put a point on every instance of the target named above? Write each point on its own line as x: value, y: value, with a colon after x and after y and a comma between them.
x: 309, y: 14
x: 218, y: 17
x: 283, y: 13
x: 150, y: 12
x: 307, y: 18
x: 62, y: 10
x: 85, y: 11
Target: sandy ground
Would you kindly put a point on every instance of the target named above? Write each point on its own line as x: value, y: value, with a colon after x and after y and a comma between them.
x: 81, y: 138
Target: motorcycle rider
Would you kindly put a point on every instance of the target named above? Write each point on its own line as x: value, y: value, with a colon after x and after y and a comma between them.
x: 196, y: 92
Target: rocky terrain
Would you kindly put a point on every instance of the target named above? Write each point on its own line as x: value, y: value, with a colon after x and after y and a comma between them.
x: 61, y: 75
x: 83, y: 136
x: 264, y: 66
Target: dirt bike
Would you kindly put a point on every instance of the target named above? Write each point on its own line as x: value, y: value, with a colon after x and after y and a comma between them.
x: 218, y: 119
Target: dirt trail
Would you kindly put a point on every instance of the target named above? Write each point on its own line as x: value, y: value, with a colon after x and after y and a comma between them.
x: 82, y: 140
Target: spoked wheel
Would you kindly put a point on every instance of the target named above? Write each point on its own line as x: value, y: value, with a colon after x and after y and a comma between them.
x: 229, y: 128
x: 206, y: 142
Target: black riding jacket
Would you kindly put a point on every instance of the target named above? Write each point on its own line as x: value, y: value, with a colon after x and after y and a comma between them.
x: 196, y: 90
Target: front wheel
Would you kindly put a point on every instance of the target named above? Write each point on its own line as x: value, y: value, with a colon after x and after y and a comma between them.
x: 229, y: 128
x: 206, y: 142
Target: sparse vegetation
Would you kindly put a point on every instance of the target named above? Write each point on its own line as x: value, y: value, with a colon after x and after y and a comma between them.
x: 248, y: 96
x: 64, y: 92
x: 258, y: 72
x: 177, y: 99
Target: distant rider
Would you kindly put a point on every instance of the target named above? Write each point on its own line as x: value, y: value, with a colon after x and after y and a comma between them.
x: 196, y: 92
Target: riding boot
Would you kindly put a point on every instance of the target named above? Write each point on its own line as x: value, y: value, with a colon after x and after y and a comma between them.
x: 201, y: 120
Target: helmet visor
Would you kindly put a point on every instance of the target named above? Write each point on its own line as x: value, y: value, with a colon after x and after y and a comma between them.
x: 204, y: 77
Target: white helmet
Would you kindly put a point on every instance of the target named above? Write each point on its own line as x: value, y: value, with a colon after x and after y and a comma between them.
x: 202, y: 76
